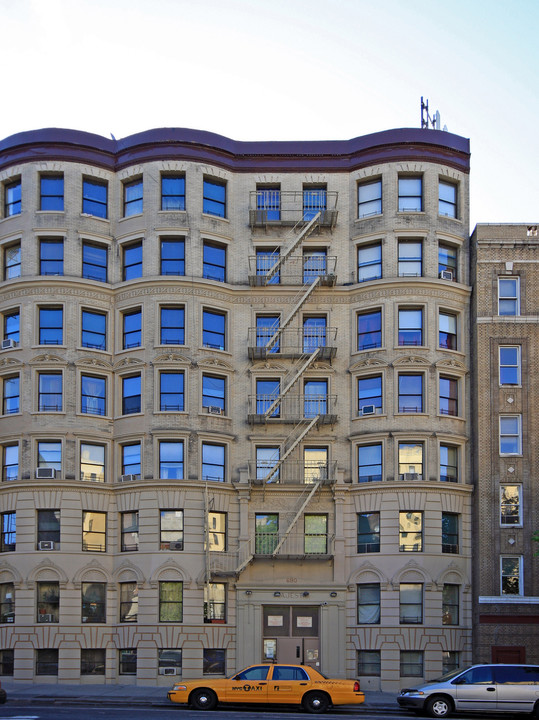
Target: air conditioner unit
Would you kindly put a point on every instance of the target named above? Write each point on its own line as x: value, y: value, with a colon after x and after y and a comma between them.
x: 214, y: 410
x: 175, y: 546
x: 368, y: 410
x: 9, y: 343
x: 167, y: 671
x: 45, y: 618
x: 45, y: 473
x: 411, y: 476
x: 446, y: 275
x: 127, y: 478
x: 46, y: 545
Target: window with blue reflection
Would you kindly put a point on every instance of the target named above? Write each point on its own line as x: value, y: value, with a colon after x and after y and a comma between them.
x: 131, y: 397
x: 213, y: 391
x: 94, y: 262
x: 51, y: 257
x: 266, y: 327
x: 314, y: 333
x: 410, y: 393
x: 170, y: 460
x: 94, y: 198
x: 369, y: 463
x: 369, y: 262
x: 12, y: 261
x: 50, y: 392
x: 8, y: 538
x: 12, y: 198
x: 369, y: 199
x: 171, y: 392
x: 172, y: 326
x: 214, y: 198
x: 133, y: 198
x: 11, y: 395
x: 93, y: 395
x: 214, y: 262
x: 10, y: 469
x: 267, y: 391
x: 410, y: 258
x: 49, y: 454
x: 369, y: 330
x: 172, y: 257
x: 12, y: 324
x: 314, y: 200
x: 369, y: 392
x: 316, y: 398
x: 131, y: 459
x: 132, y: 330
x: 265, y: 260
x: 410, y: 194
x: 314, y: 264
x: 213, y: 462
x: 52, y: 192
x: 411, y: 327
x: 51, y: 322
x: 213, y: 330
x: 132, y: 261
x: 94, y: 330
x: 268, y: 201
x: 172, y: 192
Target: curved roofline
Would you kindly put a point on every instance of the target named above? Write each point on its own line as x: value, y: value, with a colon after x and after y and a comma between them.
x: 236, y: 155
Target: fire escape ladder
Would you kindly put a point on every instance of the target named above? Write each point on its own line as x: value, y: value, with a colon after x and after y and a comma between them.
x: 301, y: 298
x: 303, y: 228
x: 304, y: 502
x: 290, y: 378
x: 296, y: 436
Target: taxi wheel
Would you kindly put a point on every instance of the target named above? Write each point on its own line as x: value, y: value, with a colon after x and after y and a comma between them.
x: 438, y: 707
x: 203, y: 699
x: 315, y: 702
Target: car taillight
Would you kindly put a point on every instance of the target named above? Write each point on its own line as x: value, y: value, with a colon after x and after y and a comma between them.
x: 356, y: 686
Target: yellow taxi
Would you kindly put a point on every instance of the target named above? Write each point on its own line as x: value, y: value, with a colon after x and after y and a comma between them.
x: 279, y: 684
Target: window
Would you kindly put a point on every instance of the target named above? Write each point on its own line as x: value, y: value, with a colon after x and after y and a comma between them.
x: 172, y: 326
x: 92, y: 462
x: 131, y: 459
x: 213, y: 661
x: 213, y: 462
x: 133, y: 197
x: 369, y: 198
x: 12, y: 198
x: 449, y: 463
x: 410, y: 461
x: 268, y: 202
x: 410, y: 258
x: 411, y: 603
x: 315, y: 398
x: 266, y: 327
x: 411, y: 531
x: 93, y: 399
x: 510, y: 435
x: 132, y: 329
x: 171, y: 534
x: 450, y: 532
x: 267, y: 459
x: 10, y: 462
x: 267, y: 391
x: 172, y: 256
x: 171, y: 658
x: 94, y: 330
x: 172, y: 192
x: 51, y: 257
x: 48, y: 602
x: 217, y: 531
x: 510, y: 505
x: 129, y: 531
x: 447, y: 330
x: 51, y: 322
x: 449, y: 396
x: 265, y: 261
x: 450, y: 661
x: 411, y: 194
x: 447, y: 260
x: 215, y: 602
x: 11, y: 395
x: 316, y: 534
x: 6, y: 662
x: 132, y: 261
x: 128, y: 602
x: 410, y: 393
x: 368, y: 603
x: 450, y: 604
x: 52, y: 193
x: 315, y: 264
x: 369, y: 663
x: 314, y: 200
x: 214, y: 262
x: 213, y: 330
x: 7, y: 603
x: 369, y: 462
x: 314, y: 333
x: 509, y: 365
x: 92, y: 662
x: 12, y: 323
x: 170, y: 460
x: 369, y: 330
x: 93, y: 601
x: 315, y: 464
x: 368, y: 532
x: 12, y: 261
x: 49, y: 454
x: 170, y: 602
x: 47, y: 662
x: 369, y: 395
x: 411, y: 663
x: 266, y: 533
x: 411, y: 326
x: 213, y: 392
x: 48, y: 526
x: 511, y: 575
x: 508, y: 296
x: 127, y: 661
x: 131, y: 398
x: 171, y: 392
x: 447, y: 199
x: 94, y: 197
x: 369, y: 262
x: 50, y: 392
x: 94, y: 531
x: 214, y: 198
x: 94, y: 262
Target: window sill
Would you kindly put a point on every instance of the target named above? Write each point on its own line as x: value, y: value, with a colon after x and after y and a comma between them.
x: 130, y: 217
x: 94, y: 217
x: 215, y: 217
x: 508, y: 600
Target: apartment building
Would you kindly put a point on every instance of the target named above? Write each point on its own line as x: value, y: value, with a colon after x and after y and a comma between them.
x: 236, y: 408
x: 506, y: 429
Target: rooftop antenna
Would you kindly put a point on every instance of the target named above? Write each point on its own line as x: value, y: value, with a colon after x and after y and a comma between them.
x: 428, y: 121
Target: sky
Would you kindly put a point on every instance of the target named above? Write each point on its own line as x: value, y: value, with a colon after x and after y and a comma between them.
x: 288, y: 70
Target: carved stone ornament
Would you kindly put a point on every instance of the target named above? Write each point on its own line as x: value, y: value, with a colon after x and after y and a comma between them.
x: 170, y: 357
x: 94, y: 363
x: 48, y: 358
x: 215, y: 363
x: 368, y: 363
x: 128, y: 362
x: 412, y: 360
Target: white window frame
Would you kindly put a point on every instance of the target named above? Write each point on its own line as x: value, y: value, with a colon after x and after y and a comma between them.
x: 508, y: 435
x: 520, y: 576
x: 518, y: 348
x: 519, y: 489
x: 515, y: 298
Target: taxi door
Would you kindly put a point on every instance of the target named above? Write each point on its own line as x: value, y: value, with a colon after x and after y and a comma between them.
x: 250, y: 685
x: 287, y: 684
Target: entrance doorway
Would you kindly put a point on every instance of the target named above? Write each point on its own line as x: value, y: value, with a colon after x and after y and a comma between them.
x: 291, y: 634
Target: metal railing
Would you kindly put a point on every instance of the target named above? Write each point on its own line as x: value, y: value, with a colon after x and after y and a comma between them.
x: 286, y: 207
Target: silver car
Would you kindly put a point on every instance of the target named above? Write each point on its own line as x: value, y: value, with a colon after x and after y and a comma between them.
x: 484, y: 688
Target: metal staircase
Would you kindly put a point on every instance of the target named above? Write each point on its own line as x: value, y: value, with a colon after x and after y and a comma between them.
x: 303, y: 502
x: 293, y: 440
x: 299, y: 232
x: 290, y: 378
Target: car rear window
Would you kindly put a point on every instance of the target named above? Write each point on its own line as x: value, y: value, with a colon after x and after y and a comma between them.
x: 289, y: 673
x: 477, y: 676
x: 517, y: 675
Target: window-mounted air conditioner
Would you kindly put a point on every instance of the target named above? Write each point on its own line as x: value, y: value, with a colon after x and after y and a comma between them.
x: 45, y: 473
x: 168, y: 671
x: 9, y: 343
x: 127, y: 478
x: 411, y: 476
x: 214, y: 410
x: 368, y: 410
x: 46, y: 618
x: 446, y: 275
x: 175, y: 546
x: 45, y: 545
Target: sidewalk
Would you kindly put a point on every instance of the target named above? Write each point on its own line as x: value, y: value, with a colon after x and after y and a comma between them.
x: 21, y: 692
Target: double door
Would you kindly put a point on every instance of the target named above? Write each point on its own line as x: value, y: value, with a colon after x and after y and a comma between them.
x: 291, y: 635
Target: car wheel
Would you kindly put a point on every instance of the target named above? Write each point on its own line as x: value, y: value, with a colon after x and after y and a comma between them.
x: 438, y: 707
x: 315, y: 702
x: 203, y: 699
